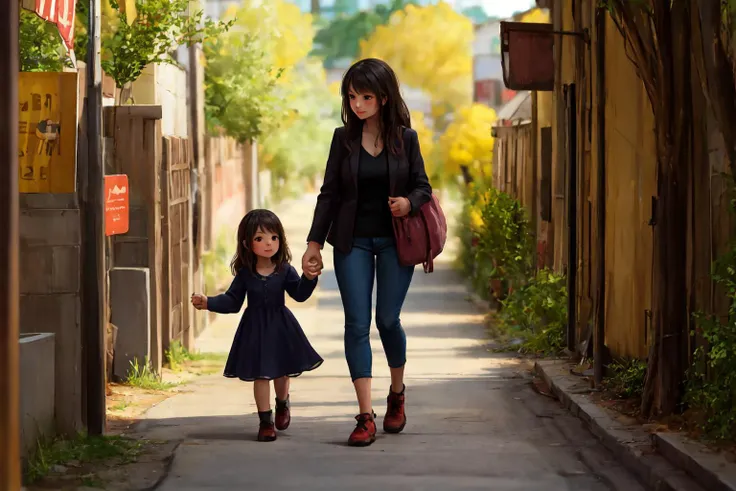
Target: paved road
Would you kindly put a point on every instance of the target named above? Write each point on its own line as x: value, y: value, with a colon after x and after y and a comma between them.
x: 473, y: 421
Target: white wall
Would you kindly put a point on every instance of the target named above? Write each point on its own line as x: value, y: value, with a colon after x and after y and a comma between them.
x: 165, y: 85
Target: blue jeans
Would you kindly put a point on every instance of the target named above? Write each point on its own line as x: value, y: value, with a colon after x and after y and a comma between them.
x: 355, y: 271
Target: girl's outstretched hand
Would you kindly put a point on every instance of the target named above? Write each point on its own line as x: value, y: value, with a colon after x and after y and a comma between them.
x: 199, y: 301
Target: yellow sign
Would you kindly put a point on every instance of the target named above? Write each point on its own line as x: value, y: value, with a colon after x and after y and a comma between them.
x: 47, y: 132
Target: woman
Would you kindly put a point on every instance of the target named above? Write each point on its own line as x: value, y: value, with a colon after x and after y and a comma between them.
x: 375, y: 171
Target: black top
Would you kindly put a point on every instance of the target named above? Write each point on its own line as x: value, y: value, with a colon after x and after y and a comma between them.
x: 373, y: 216
x: 337, y: 204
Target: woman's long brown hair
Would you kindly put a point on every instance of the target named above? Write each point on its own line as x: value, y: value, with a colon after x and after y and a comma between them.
x: 375, y: 76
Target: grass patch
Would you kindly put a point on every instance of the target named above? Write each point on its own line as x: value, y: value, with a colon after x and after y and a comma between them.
x: 122, y: 406
x: 143, y: 377
x: 533, y: 317
x: 177, y: 356
x: 81, y: 449
x: 627, y: 377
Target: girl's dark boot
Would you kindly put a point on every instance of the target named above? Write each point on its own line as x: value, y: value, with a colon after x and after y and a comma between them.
x: 266, y: 431
x: 283, y: 413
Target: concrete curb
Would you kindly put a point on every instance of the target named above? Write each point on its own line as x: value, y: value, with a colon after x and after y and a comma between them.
x: 629, y: 444
x: 711, y: 469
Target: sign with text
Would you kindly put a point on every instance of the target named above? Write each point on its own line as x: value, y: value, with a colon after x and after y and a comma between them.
x: 47, y: 132
x: 117, y: 206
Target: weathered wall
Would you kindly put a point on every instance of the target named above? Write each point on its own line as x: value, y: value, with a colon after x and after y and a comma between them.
x: 37, y: 397
x: 224, y: 194
x: 50, y: 301
x: 630, y: 184
x: 166, y: 86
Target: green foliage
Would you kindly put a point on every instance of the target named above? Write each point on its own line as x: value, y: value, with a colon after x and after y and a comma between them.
x: 504, y: 236
x: 536, y: 312
x: 476, y: 13
x: 39, y: 44
x: 158, y: 29
x: 711, y: 384
x: 82, y: 449
x: 178, y: 356
x: 143, y: 377
x: 626, y: 377
x: 296, y: 152
x: 341, y: 37
x: 496, y: 243
x: 239, y: 83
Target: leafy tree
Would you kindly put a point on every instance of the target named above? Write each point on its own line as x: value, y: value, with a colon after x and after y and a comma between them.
x: 341, y: 37
x: 39, y: 45
x: 159, y: 27
x: 284, y: 32
x: 467, y: 144
x: 251, y: 68
x: 430, y: 49
x: 109, y: 17
x: 536, y: 16
x: 239, y: 84
x: 296, y: 152
x: 426, y: 142
x: 476, y: 13
x: 658, y: 37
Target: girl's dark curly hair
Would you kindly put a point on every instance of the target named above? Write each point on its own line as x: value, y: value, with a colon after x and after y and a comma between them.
x: 374, y: 76
x: 253, y: 222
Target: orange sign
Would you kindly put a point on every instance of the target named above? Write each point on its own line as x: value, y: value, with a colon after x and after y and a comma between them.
x: 117, y: 209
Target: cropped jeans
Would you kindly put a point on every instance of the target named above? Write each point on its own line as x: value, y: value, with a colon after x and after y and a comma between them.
x: 372, y: 258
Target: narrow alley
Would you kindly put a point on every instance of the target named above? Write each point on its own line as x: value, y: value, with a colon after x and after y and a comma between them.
x: 473, y: 420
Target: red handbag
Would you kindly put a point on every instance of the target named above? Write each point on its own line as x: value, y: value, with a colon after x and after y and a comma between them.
x: 420, y: 238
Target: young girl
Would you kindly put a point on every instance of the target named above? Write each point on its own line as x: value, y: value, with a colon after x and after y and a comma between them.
x: 269, y: 343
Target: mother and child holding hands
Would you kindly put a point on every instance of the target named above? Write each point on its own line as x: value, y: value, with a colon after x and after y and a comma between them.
x: 374, y: 172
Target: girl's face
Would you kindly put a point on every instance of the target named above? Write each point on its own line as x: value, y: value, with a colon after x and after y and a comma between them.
x: 363, y: 105
x: 265, y: 244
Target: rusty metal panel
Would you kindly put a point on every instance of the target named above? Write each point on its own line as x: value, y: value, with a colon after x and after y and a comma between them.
x: 527, y: 56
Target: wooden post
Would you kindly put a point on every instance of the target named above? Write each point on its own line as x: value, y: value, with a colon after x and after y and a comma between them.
x: 9, y: 426
x: 93, y: 239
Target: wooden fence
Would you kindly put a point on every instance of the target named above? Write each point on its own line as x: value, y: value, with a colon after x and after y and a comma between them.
x: 159, y: 238
x: 176, y: 229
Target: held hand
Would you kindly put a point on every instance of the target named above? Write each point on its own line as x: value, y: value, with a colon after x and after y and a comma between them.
x: 312, y: 261
x: 309, y: 275
x: 199, y: 301
x: 399, y: 206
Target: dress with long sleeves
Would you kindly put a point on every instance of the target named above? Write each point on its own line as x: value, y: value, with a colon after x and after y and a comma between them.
x: 269, y: 342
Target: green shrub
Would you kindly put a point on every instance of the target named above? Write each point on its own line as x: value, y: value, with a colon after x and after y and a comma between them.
x: 711, y: 380
x: 495, y: 238
x: 537, y: 313
x: 626, y: 377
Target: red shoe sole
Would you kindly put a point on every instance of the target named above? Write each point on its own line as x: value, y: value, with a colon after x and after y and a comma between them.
x: 363, y: 443
x: 395, y: 430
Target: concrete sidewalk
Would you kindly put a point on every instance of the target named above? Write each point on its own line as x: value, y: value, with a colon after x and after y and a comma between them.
x: 473, y: 421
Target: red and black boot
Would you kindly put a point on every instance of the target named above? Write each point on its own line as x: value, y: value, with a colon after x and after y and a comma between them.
x: 266, y: 430
x: 283, y: 414
x: 395, y: 418
x: 365, y: 431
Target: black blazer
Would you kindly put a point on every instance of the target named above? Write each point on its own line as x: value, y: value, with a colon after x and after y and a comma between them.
x: 334, y: 215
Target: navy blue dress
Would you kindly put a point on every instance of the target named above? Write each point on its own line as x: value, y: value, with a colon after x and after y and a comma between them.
x: 269, y: 342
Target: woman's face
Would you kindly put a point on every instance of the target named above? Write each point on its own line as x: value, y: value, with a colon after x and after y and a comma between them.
x: 363, y: 105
